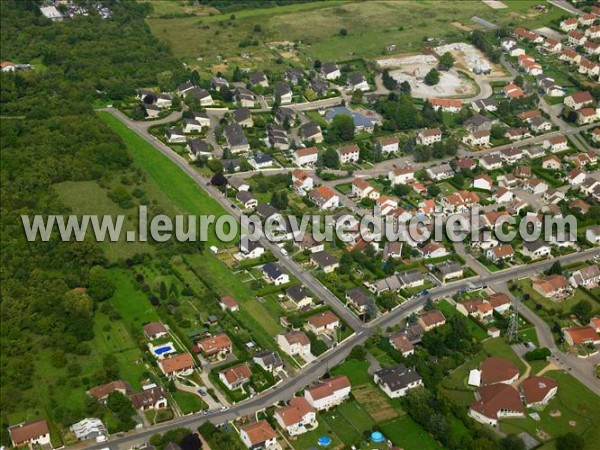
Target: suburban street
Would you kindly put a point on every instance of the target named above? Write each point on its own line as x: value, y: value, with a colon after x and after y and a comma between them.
x: 337, y: 354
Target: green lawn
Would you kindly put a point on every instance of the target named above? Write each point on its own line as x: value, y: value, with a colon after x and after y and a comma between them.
x: 499, y: 347
x: 132, y: 303
x: 449, y: 311
x: 408, y: 434
x: 310, y: 439
x: 575, y: 402
x: 88, y: 197
x: 356, y: 371
x: 188, y: 402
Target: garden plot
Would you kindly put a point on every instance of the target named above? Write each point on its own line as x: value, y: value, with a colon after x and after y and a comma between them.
x: 414, y: 68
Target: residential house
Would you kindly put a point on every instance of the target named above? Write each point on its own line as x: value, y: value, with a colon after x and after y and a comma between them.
x: 511, y: 90
x: 325, y: 322
x: 228, y: 303
x: 283, y: 115
x: 182, y: 364
x: 328, y: 393
x: 556, y: 143
x: 184, y: 88
x: 235, y: 377
x: 536, y: 249
x: 576, y: 38
x: 487, y: 104
x: 586, y: 116
x: 296, y: 418
x: 445, y: 104
x: 273, y: 274
x: 293, y: 75
x: 578, y: 100
x: 570, y: 56
x: 243, y: 117
x: 431, y: 319
x: 535, y: 186
x: 259, y: 435
x: 198, y: 148
x: 154, y: 397
x: 588, y: 277
x: 300, y: 296
x: 152, y: 111
x: 449, y: 270
x: 358, y: 299
x: 294, y: 343
x: 251, y: 249
x: 400, y: 342
x: 202, y: 95
x: 311, y: 131
x: 349, y: 154
x: 491, y: 162
x: 429, y: 136
x: 284, y: 93
x: 534, y: 152
x: 236, y: 140
x: 502, y: 194
x: 459, y: 202
x: 202, y: 118
x: 302, y: 181
x: 500, y: 253
x: 90, y: 428
x: 175, y: 135
x: 306, y: 156
x: 261, y: 161
x: 433, y: 250
x: 516, y: 134
x: 569, y: 24
x: 155, y: 330
x: 441, y: 172
x: 357, y: 82
x: 540, y: 125
x: 324, y: 198
x: 277, y: 137
x: 500, y: 302
x: 362, y: 189
x: 552, y: 162
x: 244, y: 98
x: 102, y: 391
x: 269, y: 360
x: 215, y: 347
x: 246, y: 199
x: 191, y: 126
x: 387, y: 145
x: 217, y: 83
x: 258, y: 79
x: 581, y: 336
x: 31, y: 433
x: 550, y: 286
x: 319, y: 87
x: 331, y: 71
x: 401, y: 175
x: 477, y: 308
x: 308, y: 242
x: 477, y: 138
x: 484, y: 182
x: 326, y: 262
x: 575, y: 177
x: 396, y: 381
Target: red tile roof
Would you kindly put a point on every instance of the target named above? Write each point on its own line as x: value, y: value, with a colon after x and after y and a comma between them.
x: 496, y: 370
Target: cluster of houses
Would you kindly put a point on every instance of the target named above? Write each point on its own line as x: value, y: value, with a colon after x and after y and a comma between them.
x: 501, y: 395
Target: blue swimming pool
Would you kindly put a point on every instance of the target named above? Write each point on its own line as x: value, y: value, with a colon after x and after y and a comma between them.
x: 164, y: 349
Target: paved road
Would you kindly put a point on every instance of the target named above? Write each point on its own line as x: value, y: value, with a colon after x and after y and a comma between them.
x: 562, y: 4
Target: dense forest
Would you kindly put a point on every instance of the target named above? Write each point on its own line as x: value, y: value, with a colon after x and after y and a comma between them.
x: 50, y: 134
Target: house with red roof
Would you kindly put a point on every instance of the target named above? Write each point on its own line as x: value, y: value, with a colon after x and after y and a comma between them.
x: 538, y: 391
x: 297, y: 417
x: 328, y: 393
x: 259, y: 435
x: 496, y: 402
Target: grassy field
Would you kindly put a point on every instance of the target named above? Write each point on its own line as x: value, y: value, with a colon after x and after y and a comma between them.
x: 356, y: 371
x: 371, y: 27
x: 349, y: 421
x: 576, y: 403
x: 406, y: 433
x: 188, y: 402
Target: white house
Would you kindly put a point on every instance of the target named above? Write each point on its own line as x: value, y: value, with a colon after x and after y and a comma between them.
x: 402, y: 175
x: 30, y: 433
x: 273, y: 273
x: 306, y: 156
x: 349, y: 153
x: 294, y: 343
x: 429, y: 136
x: 396, y: 381
x: 328, y: 393
x: 296, y: 418
x: 387, y: 145
x: 259, y: 435
x: 483, y: 182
